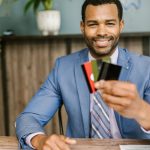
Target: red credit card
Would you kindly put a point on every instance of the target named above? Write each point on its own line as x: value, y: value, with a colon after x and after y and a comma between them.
x: 87, y: 68
x: 99, y: 70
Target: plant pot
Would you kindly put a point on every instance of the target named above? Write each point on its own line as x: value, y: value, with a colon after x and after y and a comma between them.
x: 49, y: 22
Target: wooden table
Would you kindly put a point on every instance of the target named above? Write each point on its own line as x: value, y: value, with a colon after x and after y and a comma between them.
x: 11, y: 143
x: 8, y: 143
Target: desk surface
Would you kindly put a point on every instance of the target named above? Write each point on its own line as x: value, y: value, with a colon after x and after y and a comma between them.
x: 11, y: 143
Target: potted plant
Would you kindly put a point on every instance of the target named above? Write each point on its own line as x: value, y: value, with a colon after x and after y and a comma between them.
x: 48, y: 20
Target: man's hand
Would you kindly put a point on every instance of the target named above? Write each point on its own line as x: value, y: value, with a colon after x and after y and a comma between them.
x: 123, y: 97
x: 53, y: 142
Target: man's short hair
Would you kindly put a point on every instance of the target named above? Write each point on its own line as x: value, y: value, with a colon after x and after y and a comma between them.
x: 101, y: 2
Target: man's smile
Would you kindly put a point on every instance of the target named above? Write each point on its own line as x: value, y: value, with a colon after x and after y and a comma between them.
x: 102, y: 42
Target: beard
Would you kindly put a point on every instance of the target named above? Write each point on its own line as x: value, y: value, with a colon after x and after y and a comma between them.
x: 99, y: 52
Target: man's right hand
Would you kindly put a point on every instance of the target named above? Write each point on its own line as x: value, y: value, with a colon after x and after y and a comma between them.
x: 52, y: 142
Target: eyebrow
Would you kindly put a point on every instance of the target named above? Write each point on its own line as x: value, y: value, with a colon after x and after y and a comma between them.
x: 111, y: 20
x: 108, y: 20
x: 91, y: 21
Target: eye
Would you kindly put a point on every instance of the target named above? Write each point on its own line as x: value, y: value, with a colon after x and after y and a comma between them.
x: 92, y: 24
x: 111, y: 24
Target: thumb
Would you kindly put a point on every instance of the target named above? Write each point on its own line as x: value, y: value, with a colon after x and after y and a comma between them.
x: 70, y: 141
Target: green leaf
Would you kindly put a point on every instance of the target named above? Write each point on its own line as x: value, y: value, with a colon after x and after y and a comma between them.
x: 47, y: 4
x: 28, y: 5
x: 36, y: 5
x: 1, y: 2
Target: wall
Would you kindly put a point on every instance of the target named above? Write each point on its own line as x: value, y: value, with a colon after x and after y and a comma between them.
x: 136, y: 15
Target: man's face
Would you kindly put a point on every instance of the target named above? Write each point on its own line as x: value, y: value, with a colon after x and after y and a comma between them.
x: 101, y: 29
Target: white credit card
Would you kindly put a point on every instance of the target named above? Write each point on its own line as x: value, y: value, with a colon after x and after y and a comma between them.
x: 134, y: 147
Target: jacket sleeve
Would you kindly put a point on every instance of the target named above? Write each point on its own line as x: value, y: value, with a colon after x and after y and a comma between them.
x: 146, y: 134
x: 40, y: 109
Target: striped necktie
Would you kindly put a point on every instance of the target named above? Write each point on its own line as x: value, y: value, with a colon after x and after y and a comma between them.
x: 100, y: 121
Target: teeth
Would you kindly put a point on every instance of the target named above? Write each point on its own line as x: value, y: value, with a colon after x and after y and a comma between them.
x: 102, y: 43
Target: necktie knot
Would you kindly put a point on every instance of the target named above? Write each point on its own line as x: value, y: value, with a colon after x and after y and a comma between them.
x: 96, y: 66
x: 106, y: 59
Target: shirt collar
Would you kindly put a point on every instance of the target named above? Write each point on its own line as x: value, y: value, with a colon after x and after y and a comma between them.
x: 113, y: 57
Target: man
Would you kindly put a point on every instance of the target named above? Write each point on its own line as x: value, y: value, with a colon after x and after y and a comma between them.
x: 129, y: 98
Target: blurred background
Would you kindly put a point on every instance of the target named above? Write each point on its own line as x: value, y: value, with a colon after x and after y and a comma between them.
x: 28, y: 49
x: 12, y: 16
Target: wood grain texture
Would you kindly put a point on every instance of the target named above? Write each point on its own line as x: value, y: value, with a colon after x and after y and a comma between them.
x: 2, y: 124
x: 132, y: 44
x: 28, y: 64
x: 106, y: 144
x: 11, y: 143
x: 8, y: 143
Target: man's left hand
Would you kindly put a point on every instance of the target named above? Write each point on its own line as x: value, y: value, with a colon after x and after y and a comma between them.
x: 123, y: 97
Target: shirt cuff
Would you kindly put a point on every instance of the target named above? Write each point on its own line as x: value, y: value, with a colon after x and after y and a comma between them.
x: 30, y: 136
x: 146, y: 131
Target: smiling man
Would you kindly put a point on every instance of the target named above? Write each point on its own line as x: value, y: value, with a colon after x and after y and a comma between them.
x: 101, y: 27
x: 127, y: 100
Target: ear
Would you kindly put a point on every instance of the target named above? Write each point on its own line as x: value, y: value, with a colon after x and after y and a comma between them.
x: 121, y: 25
x: 82, y: 26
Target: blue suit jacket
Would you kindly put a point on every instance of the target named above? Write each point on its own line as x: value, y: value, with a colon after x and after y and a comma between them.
x: 66, y: 84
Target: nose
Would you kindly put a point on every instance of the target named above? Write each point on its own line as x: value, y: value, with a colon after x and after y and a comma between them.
x: 101, y: 30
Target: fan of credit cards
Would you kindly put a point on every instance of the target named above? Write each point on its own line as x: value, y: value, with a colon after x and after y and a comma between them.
x: 96, y: 70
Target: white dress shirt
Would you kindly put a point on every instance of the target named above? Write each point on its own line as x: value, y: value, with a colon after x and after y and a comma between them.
x: 113, y: 124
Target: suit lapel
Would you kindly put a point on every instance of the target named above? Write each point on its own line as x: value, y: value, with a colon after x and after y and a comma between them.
x: 83, y: 91
x: 125, y: 61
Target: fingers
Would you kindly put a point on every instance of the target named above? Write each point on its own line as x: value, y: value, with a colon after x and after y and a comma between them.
x: 121, y: 101
x: 122, y: 96
x: 62, y: 145
x: 102, y: 84
x: 58, y: 142
x: 70, y: 141
x: 67, y: 140
x: 117, y: 88
x: 116, y: 107
x: 118, y: 93
x: 51, y: 146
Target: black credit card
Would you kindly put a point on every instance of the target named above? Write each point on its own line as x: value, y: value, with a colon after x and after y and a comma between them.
x: 109, y: 71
